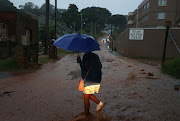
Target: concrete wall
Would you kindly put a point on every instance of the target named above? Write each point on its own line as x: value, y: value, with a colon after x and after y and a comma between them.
x: 151, y: 46
x: 24, y: 23
x: 8, y: 19
x: 17, y: 23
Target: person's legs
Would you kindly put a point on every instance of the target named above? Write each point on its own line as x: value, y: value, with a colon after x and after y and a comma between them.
x: 86, y: 103
x: 92, y: 97
x: 99, y: 103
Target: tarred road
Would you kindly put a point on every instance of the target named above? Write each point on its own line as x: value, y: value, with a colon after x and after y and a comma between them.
x: 51, y: 93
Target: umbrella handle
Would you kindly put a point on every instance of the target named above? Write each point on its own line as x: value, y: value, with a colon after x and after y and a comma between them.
x: 78, y: 58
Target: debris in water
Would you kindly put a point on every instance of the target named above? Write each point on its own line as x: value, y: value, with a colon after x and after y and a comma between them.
x: 177, y: 87
x: 149, y: 89
x: 151, y: 78
x: 99, y: 116
x: 143, y: 73
x: 150, y: 74
x: 6, y: 93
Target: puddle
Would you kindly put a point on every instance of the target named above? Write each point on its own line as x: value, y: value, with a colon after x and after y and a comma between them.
x: 12, y: 73
x: 5, y: 75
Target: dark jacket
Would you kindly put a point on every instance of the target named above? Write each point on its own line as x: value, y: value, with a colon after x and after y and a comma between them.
x: 95, y: 74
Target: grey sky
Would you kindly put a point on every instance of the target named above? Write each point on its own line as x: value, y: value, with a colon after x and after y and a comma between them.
x: 114, y: 6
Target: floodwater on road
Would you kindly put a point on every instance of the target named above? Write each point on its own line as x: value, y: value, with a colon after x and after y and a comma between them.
x: 130, y: 90
x: 5, y: 75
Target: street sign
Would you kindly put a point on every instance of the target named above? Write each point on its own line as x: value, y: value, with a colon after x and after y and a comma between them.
x: 136, y: 34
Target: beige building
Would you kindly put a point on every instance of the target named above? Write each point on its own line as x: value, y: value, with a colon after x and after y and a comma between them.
x: 155, y: 13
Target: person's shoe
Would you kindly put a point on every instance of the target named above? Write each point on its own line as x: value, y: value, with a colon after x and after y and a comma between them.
x: 99, y: 106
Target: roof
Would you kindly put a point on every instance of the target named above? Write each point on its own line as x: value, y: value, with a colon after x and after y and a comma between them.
x: 6, y: 5
x: 142, y: 3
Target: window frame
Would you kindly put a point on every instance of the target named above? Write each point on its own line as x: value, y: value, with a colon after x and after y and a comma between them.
x: 162, y: 2
x: 160, y: 14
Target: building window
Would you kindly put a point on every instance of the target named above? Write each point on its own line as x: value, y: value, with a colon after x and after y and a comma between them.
x: 147, y: 5
x: 146, y: 18
x: 3, y: 32
x: 162, y: 2
x: 161, y: 15
x: 29, y: 34
x: 144, y: 7
x: 160, y: 27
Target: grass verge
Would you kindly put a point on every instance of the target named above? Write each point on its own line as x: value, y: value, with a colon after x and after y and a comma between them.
x: 60, y: 54
x: 172, y: 68
x: 8, y: 64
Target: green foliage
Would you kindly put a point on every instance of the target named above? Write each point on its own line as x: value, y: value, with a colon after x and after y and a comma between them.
x: 60, y: 54
x: 172, y: 68
x: 39, y: 11
x: 95, y: 16
x: 8, y: 64
x: 40, y: 49
x: 41, y: 34
x: 30, y: 7
x: 71, y: 17
x: 119, y: 21
x: 43, y: 60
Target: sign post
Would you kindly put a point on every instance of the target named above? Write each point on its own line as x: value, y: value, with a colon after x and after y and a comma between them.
x: 168, y: 23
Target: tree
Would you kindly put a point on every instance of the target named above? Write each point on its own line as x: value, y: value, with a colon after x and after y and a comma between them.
x: 30, y: 7
x: 95, y: 16
x: 71, y: 17
x: 119, y: 21
x: 43, y: 9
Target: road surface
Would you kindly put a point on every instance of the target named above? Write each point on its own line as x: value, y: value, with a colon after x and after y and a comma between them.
x: 128, y: 91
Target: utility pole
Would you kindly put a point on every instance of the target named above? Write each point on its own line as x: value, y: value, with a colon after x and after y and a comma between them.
x: 55, y: 20
x: 168, y: 23
x: 111, y: 37
x: 54, y: 48
x: 47, y: 28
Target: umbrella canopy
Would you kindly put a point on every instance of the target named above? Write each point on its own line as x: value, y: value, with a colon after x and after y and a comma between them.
x: 77, y: 42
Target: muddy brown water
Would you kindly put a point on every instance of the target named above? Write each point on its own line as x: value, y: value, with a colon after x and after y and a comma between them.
x: 51, y: 93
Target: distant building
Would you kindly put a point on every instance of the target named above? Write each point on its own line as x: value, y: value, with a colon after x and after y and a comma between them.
x: 154, y: 13
x: 17, y: 28
x: 147, y: 30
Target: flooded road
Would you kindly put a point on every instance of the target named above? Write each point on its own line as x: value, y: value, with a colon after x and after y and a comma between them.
x: 5, y: 75
x: 130, y: 90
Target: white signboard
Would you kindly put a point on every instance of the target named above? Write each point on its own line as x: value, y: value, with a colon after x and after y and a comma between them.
x: 136, y: 34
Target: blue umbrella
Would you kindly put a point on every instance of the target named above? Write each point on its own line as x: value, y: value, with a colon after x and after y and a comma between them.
x: 77, y: 42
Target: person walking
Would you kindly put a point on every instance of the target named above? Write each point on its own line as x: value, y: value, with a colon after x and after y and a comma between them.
x: 91, y: 74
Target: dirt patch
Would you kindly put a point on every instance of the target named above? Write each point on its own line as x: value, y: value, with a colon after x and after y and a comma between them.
x: 75, y: 74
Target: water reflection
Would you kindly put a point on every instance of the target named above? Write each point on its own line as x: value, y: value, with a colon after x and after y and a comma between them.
x: 5, y: 75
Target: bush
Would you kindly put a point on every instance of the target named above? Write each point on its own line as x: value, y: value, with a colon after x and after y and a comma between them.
x: 8, y: 64
x: 172, y: 68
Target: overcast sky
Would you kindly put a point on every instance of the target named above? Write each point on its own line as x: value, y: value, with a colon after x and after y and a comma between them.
x: 114, y: 6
